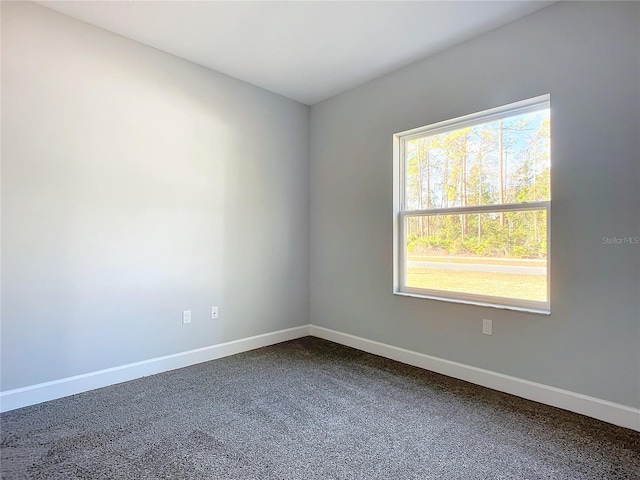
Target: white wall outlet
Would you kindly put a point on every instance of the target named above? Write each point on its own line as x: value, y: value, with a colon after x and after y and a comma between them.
x: 487, y: 327
x: 186, y: 316
x: 214, y: 313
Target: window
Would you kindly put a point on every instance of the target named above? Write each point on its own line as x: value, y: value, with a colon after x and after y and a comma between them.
x: 472, y: 208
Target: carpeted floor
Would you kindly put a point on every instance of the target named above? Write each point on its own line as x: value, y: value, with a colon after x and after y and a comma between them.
x: 308, y: 409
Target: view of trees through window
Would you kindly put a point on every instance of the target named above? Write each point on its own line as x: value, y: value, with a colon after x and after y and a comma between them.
x: 500, y: 249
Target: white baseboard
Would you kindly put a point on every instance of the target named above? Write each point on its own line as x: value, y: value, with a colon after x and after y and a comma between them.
x: 611, y: 412
x: 615, y: 413
x: 42, y: 392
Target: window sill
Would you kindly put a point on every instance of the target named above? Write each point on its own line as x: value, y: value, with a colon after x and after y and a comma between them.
x: 476, y: 303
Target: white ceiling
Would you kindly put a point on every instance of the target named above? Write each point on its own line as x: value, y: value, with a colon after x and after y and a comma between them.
x: 304, y: 50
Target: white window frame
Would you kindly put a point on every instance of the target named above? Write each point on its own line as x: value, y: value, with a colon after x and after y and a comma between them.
x: 400, y: 213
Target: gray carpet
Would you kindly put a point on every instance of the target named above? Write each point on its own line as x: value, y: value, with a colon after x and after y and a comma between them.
x: 308, y: 409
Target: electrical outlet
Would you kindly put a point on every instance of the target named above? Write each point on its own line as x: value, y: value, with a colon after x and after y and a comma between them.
x: 487, y: 327
x: 214, y: 313
x: 186, y: 316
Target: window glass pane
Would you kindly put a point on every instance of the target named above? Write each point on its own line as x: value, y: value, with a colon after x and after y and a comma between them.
x: 502, y: 161
x: 492, y: 254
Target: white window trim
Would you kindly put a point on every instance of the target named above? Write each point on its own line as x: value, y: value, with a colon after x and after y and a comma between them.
x: 399, y: 212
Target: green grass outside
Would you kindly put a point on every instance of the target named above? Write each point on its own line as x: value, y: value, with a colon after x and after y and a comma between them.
x: 510, y: 285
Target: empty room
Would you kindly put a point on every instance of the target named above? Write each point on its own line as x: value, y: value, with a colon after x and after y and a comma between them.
x: 320, y: 240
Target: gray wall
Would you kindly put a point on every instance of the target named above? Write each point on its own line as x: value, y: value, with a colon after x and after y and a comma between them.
x: 587, y: 56
x: 136, y: 185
